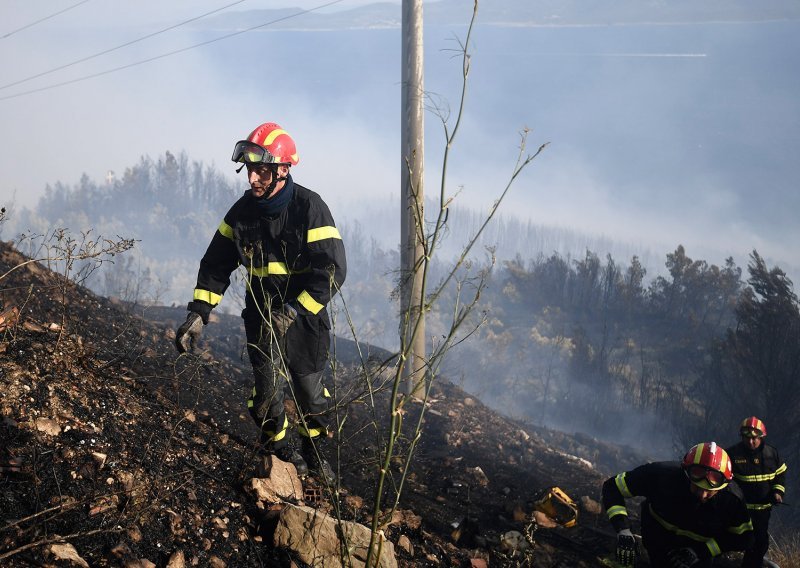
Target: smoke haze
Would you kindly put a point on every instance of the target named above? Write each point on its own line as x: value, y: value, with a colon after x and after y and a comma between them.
x: 659, y: 134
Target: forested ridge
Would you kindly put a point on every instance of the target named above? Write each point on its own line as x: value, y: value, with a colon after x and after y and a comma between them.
x: 584, y: 343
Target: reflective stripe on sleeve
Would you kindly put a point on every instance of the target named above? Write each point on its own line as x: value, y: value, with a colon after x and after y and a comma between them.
x: 207, y: 297
x: 321, y: 233
x: 309, y: 303
x: 622, y: 485
x: 225, y: 230
x: 616, y: 510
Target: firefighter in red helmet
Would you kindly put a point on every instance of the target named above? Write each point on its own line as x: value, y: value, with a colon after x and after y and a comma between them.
x: 691, y: 512
x: 759, y: 471
x: 285, y: 239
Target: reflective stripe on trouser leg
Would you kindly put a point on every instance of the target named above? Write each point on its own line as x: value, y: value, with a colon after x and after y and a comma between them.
x: 312, y: 398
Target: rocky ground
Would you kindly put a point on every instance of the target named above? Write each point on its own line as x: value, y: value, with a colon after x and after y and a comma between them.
x: 114, y: 451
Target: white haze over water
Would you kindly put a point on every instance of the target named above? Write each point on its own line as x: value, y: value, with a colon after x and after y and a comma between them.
x: 659, y: 135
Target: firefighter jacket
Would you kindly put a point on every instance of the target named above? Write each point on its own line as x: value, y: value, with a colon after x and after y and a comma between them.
x: 295, y: 256
x: 760, y: 473
x: 672, y: 517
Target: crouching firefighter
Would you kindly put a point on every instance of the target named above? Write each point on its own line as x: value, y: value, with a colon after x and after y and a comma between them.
x: 691, y: 512
x: 285, y: 238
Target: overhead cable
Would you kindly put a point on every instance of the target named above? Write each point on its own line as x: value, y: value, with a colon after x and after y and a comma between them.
x: 4, y: 36
x: 118, y: 47
x: 168, y: 54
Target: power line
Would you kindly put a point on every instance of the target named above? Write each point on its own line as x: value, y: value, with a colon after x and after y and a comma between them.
x: 118, y: 47
x: 170, y: 53
x: 43, y: 19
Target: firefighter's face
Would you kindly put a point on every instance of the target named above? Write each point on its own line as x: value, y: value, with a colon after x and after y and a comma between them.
x: 701, y: 494
x: 752, y: 443
x: 260, y: 176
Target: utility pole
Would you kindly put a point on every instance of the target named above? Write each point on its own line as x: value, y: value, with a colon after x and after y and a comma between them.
x: 412, y: 196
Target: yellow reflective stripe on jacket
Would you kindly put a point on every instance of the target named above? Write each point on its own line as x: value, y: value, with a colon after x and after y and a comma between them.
x: 309, y: 303
x: 757, y: 478
x: 270, y: 268
x: 616, y: 510
x: 622, y: 486
x: 207, y: 297
x: 757, y: 507
x: 778, y: 487
x: 711, y: 544
x: 321, y: 233
x: 225, y: 230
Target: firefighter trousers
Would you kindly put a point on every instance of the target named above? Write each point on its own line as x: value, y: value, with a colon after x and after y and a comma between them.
x: 295, y: 363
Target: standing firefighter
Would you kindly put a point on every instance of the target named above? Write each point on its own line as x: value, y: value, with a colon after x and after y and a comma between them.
x: 760, y: 473
x: 284, y: 236
x: 690, y: 513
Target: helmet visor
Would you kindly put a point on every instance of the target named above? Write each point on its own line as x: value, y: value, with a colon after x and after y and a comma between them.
x: 748, y: 432
x: 247, y: 152
x: 705, y: 477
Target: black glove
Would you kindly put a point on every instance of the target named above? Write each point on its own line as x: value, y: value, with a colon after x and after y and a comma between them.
x: 627, y: 549
x: 282, y: 319
x: 189, y: 333
x: 682, y: 558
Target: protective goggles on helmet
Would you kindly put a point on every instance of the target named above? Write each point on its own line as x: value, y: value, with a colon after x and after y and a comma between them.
x: 706, y: 477
x: 248, y: 152
x: 750, y: 432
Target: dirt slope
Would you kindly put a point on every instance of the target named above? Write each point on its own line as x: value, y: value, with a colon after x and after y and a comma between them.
x: 112, y: 443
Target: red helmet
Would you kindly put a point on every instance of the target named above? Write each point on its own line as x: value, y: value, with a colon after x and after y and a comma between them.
x: 267, y: 144
x: 753, y: 428
x: 708, y: 466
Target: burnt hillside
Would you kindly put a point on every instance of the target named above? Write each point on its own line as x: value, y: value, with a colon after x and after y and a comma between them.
x: 116, y: 452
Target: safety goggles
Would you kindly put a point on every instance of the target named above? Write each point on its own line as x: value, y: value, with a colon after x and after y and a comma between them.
x: 700, y: 473
x: 247, y: 152
x: 750, y: 433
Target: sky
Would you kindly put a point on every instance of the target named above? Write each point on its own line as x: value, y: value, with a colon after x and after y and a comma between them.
x: 684, y: 166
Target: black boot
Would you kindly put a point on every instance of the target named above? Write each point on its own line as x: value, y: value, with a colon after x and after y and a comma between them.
x: 319, y: 466
x: 289, y: 454
x: 285, y: 451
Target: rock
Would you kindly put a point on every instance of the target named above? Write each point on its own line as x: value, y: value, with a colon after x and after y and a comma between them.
x: 513, y: 541
x: 478, y: 563
x: 411, y: 520
x: 217, y: 562
x: 177, y: 560
x: 590, y: 505
x: 140, y: 563
x: 543, y: 521
x: 405, y: 543
x: 479, y: 476
x: 282, y: 483
x: 99, y: 459
x: 66, y: 552
x: 313, y: 536
x: 48, y: 426
x: 103, y: 504
x: 354, y: 502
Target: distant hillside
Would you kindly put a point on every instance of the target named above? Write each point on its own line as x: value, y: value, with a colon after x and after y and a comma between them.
x: 515, y: 13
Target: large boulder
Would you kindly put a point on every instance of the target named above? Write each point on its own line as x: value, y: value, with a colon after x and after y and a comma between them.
x: 314, y: 536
